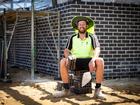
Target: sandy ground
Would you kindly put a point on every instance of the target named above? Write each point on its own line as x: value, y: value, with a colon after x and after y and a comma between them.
x: 24, y: 91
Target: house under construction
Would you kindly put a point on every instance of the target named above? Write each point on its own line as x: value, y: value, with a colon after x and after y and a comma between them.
x: 33, y: 36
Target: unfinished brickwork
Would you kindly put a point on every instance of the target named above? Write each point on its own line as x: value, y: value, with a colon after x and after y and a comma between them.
x: 117, y: 27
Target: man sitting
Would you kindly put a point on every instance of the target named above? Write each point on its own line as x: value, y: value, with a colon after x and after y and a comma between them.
x: 82, y: 45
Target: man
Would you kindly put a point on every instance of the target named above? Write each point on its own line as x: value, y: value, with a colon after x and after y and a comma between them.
x: 82, y: 45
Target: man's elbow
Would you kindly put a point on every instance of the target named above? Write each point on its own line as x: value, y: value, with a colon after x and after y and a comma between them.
x: 97, y: 49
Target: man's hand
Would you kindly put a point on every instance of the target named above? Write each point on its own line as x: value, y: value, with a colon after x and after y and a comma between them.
x: 92, y: 65
x: 66, y: 53
x: 70, y: 57
x: 70, y: 62
x: 93, y: 59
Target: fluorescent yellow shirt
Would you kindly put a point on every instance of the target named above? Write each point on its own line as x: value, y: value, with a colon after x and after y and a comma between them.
x: 83, y: 48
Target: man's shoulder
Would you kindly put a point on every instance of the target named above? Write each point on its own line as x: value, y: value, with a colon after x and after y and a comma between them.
x: 92, y: 35
x: 73, y: 35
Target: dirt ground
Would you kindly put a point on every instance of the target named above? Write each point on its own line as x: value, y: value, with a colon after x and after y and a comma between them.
x: 24, y: 91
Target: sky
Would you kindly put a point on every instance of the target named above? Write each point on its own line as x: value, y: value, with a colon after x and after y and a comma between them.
x: 38, y: 4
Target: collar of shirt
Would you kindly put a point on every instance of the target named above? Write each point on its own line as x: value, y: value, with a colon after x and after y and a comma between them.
x: 79, y: 35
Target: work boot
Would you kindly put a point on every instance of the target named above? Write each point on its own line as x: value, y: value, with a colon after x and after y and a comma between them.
x: 98, y: 94
x: 63, y: 93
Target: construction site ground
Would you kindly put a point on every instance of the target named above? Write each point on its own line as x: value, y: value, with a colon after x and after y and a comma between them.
x: 25, y: 91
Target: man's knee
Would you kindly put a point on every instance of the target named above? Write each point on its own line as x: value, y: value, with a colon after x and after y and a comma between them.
x: 99, y: 61
x: 63, y: 62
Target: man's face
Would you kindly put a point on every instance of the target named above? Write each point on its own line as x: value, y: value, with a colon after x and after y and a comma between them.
x: 82, y: 26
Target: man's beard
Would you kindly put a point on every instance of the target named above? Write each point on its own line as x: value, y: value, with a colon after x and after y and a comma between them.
x: 82, y: 31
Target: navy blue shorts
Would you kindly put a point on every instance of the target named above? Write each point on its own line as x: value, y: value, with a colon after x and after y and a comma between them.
x: 82, y: 63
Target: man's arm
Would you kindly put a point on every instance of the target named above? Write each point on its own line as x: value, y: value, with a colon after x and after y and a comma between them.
x: 66, y: 53
x: 96, y: 46
x: 68, y: 47
x: 97, y: 52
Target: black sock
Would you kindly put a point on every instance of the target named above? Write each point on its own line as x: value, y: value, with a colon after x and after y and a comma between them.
x: 98, y: 85
x: 66, y: 85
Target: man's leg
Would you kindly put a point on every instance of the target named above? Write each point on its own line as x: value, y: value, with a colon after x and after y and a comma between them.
x: 99, y: 69
x: 99, y: 62
x: 64, y: 73
x: 64, y: 76
x: 64, y: 70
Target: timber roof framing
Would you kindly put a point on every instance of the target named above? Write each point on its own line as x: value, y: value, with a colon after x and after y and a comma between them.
x: 12, y: 15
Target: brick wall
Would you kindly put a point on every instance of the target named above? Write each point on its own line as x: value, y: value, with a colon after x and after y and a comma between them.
x: 45, y: 48
x: 117, y: 28
x: 19, y: 52
x: 46, y: 44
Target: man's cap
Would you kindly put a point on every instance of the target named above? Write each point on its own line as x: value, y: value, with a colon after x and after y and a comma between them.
x: 76, y: 19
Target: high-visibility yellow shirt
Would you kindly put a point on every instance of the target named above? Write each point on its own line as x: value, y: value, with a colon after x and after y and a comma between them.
x: 83, y: 48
